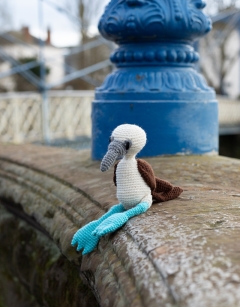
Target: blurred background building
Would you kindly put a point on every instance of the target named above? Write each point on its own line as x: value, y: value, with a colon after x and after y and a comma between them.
x: 52, y: 58
x: 24, y: 47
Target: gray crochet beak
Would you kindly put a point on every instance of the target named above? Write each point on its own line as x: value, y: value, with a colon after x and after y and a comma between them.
x: 116, y: 150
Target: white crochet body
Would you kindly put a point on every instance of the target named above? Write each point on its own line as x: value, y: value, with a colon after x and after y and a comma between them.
x: 131, y: 187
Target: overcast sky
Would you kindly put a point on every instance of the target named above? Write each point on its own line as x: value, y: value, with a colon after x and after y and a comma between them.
x: 64, y: 29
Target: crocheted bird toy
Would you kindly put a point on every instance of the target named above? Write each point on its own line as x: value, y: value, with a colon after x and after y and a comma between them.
x: 136, y: 184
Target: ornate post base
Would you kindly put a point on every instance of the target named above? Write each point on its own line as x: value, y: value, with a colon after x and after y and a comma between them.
x: 155, y: 84
x: 181, y: 127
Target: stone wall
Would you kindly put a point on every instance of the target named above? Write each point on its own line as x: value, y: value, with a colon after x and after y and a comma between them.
x: 184, y: 252
x: 33, y: 271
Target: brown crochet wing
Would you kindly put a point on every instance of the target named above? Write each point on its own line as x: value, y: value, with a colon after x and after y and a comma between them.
x: 114, y: 174
x: 165, y: 190
x: 147, y: 173
x: 161, y: 190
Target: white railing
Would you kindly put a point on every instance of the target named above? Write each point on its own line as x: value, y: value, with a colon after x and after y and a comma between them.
x: 229, y: 112
x: 21, y: 115
x: 70, y: 115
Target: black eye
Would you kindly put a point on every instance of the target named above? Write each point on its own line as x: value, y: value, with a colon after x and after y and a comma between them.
x: 127, y: 145
x: 110, y: 140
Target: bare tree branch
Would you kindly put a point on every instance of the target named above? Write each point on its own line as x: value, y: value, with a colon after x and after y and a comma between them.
x: 207, y: 77
x: 229, y: 64
x: 216, y: 6
x: 5, y: 16
x: 216, y: 46
x: 87, y: 12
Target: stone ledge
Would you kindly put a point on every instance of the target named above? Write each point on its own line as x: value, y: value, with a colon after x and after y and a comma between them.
x: 183, y: 252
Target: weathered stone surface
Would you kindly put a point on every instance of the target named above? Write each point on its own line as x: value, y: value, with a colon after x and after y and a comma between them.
x: 33, y: 272
x: 184, y: 252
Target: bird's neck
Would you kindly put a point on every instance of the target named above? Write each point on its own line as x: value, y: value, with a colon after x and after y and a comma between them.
x: 129, y: 157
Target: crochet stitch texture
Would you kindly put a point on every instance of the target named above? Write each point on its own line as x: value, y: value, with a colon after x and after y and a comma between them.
x: 136, y: 185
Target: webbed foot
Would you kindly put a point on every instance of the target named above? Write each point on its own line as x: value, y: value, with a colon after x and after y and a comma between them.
x: 84, y: 238
x: 111, y: 224
x: 117, y: 220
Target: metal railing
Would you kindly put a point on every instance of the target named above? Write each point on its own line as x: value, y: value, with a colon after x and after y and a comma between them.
x: 21, y: 116
x: 229, y: 115
x: 70, y: 116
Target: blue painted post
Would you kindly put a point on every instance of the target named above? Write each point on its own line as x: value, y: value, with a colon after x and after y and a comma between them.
x: 155, y: 84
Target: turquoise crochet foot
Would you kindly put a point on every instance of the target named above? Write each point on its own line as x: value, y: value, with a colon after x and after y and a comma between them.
x: 84, y: 239
x: 110, y: 224
x: 117, y: 220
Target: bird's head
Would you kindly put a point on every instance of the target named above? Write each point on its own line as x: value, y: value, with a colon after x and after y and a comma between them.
x: 126, y: 140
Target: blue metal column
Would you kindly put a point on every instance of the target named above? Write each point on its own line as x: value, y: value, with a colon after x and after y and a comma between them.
x: 155, y: 84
